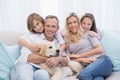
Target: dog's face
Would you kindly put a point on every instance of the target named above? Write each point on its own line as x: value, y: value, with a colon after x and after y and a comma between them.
x: 48, y: 49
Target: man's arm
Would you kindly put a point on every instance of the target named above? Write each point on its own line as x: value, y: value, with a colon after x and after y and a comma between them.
x: 55, y: 61
x: 36, y: 58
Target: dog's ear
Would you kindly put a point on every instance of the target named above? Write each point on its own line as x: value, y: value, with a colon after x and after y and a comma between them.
x: 42, y: 49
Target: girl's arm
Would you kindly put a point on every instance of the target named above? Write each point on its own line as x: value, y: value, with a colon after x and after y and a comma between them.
x: 33, y: 47
x: 98, y: 34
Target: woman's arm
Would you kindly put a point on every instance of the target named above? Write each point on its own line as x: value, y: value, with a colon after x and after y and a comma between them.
x: 62, y: 48
x: 85, y: 60
x: 97, y: 50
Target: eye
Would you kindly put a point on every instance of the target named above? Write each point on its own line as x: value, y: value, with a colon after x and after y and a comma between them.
x: 50, y: 47
x: 37, y: 23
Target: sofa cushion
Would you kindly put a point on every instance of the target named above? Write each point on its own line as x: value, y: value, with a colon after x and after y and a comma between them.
x: 114, y: 76
x: 111, y: 44
x: 8, y: 55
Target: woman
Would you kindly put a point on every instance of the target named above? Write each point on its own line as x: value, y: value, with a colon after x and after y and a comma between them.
x: 87, y: 50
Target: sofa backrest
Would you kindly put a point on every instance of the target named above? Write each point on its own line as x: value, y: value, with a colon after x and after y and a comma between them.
x: 10, y: 37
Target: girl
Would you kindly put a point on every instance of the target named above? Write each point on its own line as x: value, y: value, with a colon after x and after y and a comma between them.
x: 88, y: 24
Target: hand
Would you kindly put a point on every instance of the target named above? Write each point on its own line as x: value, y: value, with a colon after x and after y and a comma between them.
x: 88, y: 60
x: 52, y: 62
x: 92, y: 33
x: 73, y: 56
x: 35, y: 48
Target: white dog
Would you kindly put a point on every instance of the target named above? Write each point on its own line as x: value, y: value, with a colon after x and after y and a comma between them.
x: 57, y: 73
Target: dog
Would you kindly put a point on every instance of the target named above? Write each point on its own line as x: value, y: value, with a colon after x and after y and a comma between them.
x: 57, y: 73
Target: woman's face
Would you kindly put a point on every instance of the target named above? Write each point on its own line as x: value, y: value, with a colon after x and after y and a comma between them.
x: 72, y: 23
x: 86, y: 24
x: 37, y: 26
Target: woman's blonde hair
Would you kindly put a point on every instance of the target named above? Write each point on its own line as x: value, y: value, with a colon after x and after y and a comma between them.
x: 70, y: 38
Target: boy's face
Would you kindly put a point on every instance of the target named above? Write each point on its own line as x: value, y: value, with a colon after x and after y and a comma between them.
x: 86, y: 24
x: 37, y: 26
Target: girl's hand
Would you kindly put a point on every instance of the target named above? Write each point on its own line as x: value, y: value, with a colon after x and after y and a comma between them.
x: 92, y: 33
x: 35, y: 48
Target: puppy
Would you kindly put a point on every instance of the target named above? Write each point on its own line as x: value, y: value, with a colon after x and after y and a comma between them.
x: 57, y: 73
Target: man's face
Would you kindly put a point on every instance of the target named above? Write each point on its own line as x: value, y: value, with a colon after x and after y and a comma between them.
x: 51, y: 28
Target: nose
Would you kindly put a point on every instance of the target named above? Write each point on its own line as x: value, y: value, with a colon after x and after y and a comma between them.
x: 57, y: 52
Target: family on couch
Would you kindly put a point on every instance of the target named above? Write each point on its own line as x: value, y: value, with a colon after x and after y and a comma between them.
x: 80, y: 45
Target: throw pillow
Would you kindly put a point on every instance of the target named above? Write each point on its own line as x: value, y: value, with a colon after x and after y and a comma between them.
x: 111, y: 44
x: 8, y: 55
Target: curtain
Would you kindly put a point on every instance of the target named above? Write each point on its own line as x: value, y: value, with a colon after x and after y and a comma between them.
x: 13, y: 13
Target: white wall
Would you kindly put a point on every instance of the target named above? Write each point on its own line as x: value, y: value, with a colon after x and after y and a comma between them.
x: 13, y: 13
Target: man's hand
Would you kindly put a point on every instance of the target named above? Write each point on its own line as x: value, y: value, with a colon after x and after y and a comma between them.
x: 52, y: 62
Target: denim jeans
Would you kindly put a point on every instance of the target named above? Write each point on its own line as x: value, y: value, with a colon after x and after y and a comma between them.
x: 97, y: 70
x: 25, y: 71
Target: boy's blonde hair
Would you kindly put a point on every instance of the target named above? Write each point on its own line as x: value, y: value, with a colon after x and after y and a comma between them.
x: 31, y: 17
x: 69, y: 35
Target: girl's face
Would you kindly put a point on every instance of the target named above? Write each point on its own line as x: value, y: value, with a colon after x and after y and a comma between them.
x: 86, y: 24
x: 72, y: 23
x: 37, y: 26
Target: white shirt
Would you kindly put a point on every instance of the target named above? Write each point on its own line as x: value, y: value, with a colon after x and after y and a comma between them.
x: 33, y: 38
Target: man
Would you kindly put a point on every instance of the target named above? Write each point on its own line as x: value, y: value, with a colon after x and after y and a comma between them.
x: 26, y: 67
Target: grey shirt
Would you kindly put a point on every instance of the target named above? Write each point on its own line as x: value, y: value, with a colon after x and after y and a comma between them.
x: 85, y: 44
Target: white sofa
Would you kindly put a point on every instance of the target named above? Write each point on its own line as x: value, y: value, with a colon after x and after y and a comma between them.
x: 9, y: 39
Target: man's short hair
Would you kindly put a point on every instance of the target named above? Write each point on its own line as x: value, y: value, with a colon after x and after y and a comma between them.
x: 52, y: 17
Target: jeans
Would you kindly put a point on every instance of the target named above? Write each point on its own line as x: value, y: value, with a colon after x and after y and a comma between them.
x: 25, y: 71
x: 97, y: 70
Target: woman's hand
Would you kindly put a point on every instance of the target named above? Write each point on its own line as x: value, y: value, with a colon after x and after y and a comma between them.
x: 88, y: 60
x: 73, y: 56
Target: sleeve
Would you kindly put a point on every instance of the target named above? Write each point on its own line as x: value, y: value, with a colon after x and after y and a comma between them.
x: 93, y: 40
x: 24, y: 55
x: 99, y: 35
x: 59, y: 38
x: 24, y: 51
x: 27, y: 37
